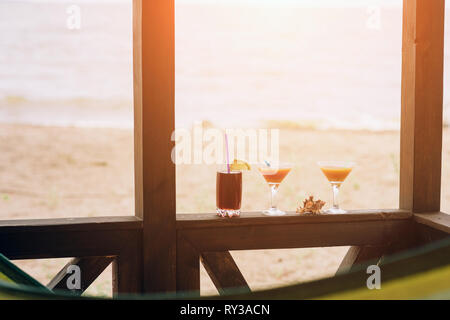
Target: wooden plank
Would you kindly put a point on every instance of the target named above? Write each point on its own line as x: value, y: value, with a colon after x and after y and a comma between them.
x: 431, y: 227
x: 207, y: 220
x: 70, y: 224
x: 300, y: 235
x: 127, y: 270
x: 154, y: 87
x: 426, y: 234
x: 188, y: 268
x: 90, y: 267
x: 63, y: 243
x: 68, y: 237
x: 437, y: 220
x: 421, y: 110
x: 360, y: 257
x: 224, y: 272
x: 137, y: 108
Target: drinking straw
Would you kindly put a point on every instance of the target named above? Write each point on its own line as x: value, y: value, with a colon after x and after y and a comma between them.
x: 267, y: 163
x: 228, y: 155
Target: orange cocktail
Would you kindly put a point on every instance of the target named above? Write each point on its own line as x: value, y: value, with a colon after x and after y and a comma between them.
x: 274, y: 175
x: 336, y: 172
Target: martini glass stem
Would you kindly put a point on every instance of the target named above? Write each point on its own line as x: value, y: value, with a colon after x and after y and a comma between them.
x: 335, y: 187
x: 273, y: 196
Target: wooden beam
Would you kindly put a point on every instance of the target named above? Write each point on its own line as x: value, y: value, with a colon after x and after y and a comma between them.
x: 127, y: 270
x: 295, y: 236
x: 59, y: 238
x: 437, y: 220
x: 360, y: 257
x: 431, y: 227
x: 421, y: 110
x: 137, y: 108
x: 90, y: 267
x: 93, y: 224
x: 426, y: 234
x: 207, y: 220
x: 293, y: 231
x: 154, y: 86
x: 188, y: 268
x: 224, y: 272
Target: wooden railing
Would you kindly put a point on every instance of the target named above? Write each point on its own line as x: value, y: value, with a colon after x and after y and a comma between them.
x: 95, y: 242
x: 206, y: 238
x: 159, y: 251
x: 211, y: 238
x: 371, y: 235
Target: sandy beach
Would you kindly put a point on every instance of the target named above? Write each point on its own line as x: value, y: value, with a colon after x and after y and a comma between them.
x: 54, y: 172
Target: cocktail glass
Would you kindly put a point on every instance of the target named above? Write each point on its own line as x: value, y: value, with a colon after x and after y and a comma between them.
x: 336, y: 172
x: 228, y: 193
x: 274, y: 175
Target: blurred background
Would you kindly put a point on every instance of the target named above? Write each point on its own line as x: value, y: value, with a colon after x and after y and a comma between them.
x: 326, y: 73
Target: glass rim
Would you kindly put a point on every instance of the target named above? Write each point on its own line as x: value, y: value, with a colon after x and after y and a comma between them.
x: 279, y: 165
x: 225, y: 170
x: 337, y: 164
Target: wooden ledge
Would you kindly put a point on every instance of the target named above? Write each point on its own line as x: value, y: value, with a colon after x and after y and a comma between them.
x: 208, y: 220
x: 435, y: 220
x: 209, y: 233
x: 252, y: 231
x: 72, y: 237
x: 70, y: 224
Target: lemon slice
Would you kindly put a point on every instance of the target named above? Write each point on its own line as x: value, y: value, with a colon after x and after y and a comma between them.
x: 239, y: 165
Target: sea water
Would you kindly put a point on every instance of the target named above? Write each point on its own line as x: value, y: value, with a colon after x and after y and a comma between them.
x: 315, y: 64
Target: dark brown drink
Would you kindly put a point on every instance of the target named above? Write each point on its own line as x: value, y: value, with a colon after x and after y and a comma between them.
x: 228, y: 193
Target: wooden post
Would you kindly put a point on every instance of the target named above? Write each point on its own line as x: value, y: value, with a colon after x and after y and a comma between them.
x: 127, y: 267
x: 188, y: 268
x: 422, y: 96
x: 127, y: 273
x: 154, y: 84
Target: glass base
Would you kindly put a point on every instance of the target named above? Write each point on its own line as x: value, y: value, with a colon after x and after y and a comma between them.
x: 274, y: 212
x: 228, y: 213
x: 335, y: 211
